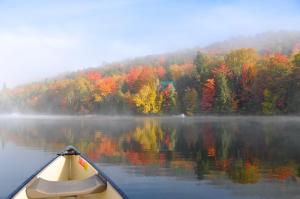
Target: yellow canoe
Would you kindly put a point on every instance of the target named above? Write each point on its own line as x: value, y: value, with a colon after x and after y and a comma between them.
x: 70, y: 174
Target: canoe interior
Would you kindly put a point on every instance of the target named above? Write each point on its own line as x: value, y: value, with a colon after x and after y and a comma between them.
x: 71, y: 167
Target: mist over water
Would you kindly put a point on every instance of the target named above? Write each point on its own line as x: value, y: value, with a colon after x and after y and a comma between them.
x: 165, y: 157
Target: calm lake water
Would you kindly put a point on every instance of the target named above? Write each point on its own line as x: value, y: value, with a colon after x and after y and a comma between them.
x: 174, y: 157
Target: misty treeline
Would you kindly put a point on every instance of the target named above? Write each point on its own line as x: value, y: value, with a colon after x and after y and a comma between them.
x: 241, y: 81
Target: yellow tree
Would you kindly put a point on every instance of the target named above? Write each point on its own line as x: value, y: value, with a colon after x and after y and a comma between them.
x: 80, y: 95
x: 148, y: 99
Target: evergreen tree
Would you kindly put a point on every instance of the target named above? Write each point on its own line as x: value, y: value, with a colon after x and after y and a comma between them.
x: 223, y: 97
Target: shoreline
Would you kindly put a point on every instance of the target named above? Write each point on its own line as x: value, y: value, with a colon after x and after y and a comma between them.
x: 161, y: 117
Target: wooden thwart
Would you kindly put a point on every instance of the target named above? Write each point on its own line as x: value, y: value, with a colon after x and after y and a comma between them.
x: 41, y: 188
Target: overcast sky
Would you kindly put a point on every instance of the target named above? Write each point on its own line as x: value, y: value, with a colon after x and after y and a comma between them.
x: 43, y: 38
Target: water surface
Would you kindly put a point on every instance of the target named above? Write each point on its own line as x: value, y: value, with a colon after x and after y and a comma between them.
x: 174, y: 157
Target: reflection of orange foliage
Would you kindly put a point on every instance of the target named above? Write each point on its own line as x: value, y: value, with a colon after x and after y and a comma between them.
x: 211, y: 151
x: 93, y: 156
x: 136, y: 158
x: 251, y: 172
x: 162, y: 159
x: 222, y: 165
x: 209, y: 141
x: 145, y: 158
x: 282, y: 172
x: 247, y: 172
x: 168, y: 142
x: 105, y: 147
x: 190, y: 165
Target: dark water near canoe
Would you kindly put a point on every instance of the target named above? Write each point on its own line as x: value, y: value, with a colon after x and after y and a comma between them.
x: 204, y: 157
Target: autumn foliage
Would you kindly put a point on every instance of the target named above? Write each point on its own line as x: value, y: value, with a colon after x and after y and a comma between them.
x: 241, y: 81
x: 108, y: 85
x: 208, y: 95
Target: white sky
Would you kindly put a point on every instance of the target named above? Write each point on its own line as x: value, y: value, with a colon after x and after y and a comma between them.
x: 40, y: 39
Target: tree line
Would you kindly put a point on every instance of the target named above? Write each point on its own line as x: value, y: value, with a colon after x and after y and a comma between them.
x: 239, y: 82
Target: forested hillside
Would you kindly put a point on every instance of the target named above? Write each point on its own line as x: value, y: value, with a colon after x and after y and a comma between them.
x: 263, y: 79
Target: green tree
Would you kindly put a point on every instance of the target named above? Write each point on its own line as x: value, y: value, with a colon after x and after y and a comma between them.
x: 296, y: 60
x: 190, y: 101
x: 201, y: 63
x: 168, y: 99
x: 223, y: 96
x: 80, y: 95
x: 279, y: 64
x: 269, y: 103
x: 293, y: 91
x: 203, y: 67
x: 181, y: 85
x: 237, y: 58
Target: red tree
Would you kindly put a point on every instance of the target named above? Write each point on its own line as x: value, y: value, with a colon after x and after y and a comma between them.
x: 208, y: 95
x: 222, y: 69
x: 133, y: 75
x: 160, y: 71
x: 108, y: 85
x: 94, y: 76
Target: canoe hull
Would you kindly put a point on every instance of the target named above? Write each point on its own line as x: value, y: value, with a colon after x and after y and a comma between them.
x: 67, y: 168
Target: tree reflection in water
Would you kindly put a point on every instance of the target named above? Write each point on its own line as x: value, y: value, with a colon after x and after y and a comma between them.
x: 244, y: 152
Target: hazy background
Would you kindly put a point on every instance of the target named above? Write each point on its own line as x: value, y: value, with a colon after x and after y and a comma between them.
x: 40, y: 39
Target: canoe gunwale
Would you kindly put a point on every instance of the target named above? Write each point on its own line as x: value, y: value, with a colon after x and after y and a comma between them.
x: 30, y: 178
x: 101, y: 174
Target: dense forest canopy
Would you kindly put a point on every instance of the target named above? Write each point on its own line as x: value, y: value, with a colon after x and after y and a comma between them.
x: 227, y: 77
